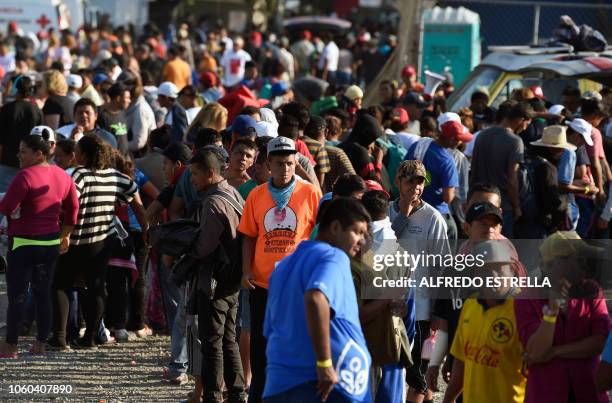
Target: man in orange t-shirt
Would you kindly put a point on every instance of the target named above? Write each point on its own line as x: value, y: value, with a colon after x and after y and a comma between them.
x: 277, y: 216
x: 177, y: 70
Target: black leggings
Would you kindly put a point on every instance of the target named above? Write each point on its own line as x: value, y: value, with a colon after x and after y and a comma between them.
x: 83, y: 267
x: 33, y: 265
x: 117, y: 284
x: 138, y: 293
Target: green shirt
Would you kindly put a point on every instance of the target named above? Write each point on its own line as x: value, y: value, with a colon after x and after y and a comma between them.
x: 246, y: 188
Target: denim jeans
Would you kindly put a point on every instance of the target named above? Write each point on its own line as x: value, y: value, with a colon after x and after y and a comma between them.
x: 178, y: 340
x: 171, y: 293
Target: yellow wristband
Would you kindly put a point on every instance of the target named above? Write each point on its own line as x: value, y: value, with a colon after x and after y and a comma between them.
x: 325, y: 363
x: 586, y: 190
x: 550, y: 319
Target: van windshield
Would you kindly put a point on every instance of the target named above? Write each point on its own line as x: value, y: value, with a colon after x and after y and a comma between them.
x: 482, y: 78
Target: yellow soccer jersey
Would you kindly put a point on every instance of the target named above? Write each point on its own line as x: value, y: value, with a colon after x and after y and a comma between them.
x: 487, y: 342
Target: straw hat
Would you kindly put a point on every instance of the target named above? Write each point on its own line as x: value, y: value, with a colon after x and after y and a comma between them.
x: 554, y: 137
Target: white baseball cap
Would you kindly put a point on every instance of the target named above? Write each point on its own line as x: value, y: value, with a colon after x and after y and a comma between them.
x: 584, y: 128
x: 281, y: 144
x: 74, y: 81
x: 266, y: 129
x: 168, y: 89
x: 556, y: 110
x: 45, y: 132
x: 448, y: 117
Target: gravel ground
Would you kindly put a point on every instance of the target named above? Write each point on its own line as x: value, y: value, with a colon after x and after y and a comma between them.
x: 126, y: 372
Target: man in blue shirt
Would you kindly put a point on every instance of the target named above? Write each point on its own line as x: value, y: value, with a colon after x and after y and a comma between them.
x: 316, y: 349
x: 441, y: 169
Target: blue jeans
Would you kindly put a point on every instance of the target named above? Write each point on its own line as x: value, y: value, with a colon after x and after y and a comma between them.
x: 304, y: 393
x: 178, y: 341
x: 586, y: 212
x: 171, y: 293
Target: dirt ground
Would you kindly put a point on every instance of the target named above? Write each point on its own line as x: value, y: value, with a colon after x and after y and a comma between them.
x: 126, y: 372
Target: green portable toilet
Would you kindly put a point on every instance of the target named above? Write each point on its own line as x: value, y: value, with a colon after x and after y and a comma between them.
x: 451, y: 39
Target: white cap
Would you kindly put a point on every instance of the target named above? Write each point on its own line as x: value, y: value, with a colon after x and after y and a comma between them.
x: 592, y: 95
x: 556, y: 109
x: 448, y: 117
x: 45, y: 132
x: 266, y: 129
x: 74, y: 81
x: 102, y: 55
x: 584, y: 128
x: 168, y: 89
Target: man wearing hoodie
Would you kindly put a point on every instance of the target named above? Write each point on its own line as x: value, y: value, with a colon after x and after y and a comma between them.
x: 357, y: 148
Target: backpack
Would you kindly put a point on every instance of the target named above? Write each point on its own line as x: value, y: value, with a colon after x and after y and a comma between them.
x: 392, y: 160
x: 174, y: 238
x: 526, y: 184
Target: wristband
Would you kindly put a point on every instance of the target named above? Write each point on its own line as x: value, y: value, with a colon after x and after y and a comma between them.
x: 549, y: 319
x: 586, y: 190
x: 325, y: 363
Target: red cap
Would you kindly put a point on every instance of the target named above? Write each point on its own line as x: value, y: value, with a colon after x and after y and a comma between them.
x: 306, y: 34
x: 209, y: 77
x: 455, y: 130
x: 401, y: 114
x: 12, y: 26
x: 408, y: 71
x: 373, y: 185
x: 256, y: 38
x: 537, y: 91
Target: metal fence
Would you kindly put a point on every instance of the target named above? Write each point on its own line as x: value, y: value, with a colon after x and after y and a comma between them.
x: 514, y: 22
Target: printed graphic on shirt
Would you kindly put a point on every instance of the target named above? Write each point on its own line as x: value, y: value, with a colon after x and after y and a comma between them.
x: 352, y: 369
x: 281, y: 226
x: 483, y: 355
x: 120, y: 129
x: 502, y: 330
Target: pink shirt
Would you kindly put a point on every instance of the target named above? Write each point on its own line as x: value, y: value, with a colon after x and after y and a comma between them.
x: 550, y: 382
x: 41, y: 193
x: 597, y: 147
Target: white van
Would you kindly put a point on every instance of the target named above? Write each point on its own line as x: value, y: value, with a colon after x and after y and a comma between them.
x: 34, y: 15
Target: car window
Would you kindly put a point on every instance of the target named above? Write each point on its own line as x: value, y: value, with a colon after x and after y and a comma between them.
x: 483, y: 77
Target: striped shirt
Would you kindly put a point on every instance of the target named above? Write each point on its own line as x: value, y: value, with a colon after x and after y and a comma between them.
x: 98, y: 192
x: 319, y: 153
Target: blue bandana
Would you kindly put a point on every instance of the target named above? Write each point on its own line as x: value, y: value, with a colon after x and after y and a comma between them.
x: 281, y: 196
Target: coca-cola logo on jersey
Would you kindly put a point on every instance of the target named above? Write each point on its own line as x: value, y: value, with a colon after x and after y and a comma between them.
x: 483, y: 355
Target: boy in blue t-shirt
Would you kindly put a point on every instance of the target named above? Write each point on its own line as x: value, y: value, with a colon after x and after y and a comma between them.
x: 315, y: 343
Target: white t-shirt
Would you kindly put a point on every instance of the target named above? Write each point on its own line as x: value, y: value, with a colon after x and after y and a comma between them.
x: 8, y: 62
x: 330, y: 57
x: 233, y: 66
x: 407, y: 139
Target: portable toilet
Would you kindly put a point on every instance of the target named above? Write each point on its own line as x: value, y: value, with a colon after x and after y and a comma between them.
x: 451, y: 39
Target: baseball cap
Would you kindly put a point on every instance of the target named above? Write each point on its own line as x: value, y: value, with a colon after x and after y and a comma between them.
x: 281, y: 144
x: 100, y: 78
x: 455, y: 130
x: 244, y: 125
x: 167, y: 89
x: 556, y: 110
x: 408, y: 71
x: 592, y: 95
x: 401, y: 115
x: 373, y: 185
x: 493, y: 251
x: 279, y: 89
x: 411, y: 169
x: 45, y: 132
x: 483, y: 209
x: 209, y: 77
x: 584, y: 128
x: 414, y: 98
x: 178, y: 152
x: 563, y: 244
x: 266, y: 129
x: 353, y: 92
x: 447, y: 117
x: 74, y: 81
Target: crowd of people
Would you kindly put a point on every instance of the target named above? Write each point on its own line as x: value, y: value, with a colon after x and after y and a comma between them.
x: 109, y: 138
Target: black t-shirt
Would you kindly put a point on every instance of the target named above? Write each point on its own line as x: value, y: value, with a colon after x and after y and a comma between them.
x: 17, y: 119
x: 115, y: 123
x: 59, y: 105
